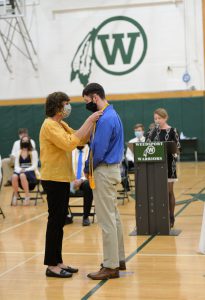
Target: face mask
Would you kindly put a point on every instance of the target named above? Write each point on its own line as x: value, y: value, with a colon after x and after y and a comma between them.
x: 25, y: 145
x: 66, y: 110
x: 91, y: 106
x: 138, y: 134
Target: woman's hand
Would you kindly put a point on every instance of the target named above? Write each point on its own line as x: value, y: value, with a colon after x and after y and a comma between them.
x: 95, y: 116
x: 86, y: 129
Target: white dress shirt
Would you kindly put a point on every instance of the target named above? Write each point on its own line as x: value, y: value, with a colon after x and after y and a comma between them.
x: 129, y: 154
x: 16, y: 147
x: 75, y: 155
x: 34, y: 162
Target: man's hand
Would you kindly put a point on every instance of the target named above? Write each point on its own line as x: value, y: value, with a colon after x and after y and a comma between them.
x: 77, y: 183
x: 86, y: 175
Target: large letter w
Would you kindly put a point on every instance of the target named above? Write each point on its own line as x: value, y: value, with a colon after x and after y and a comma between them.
x: 118, y: 45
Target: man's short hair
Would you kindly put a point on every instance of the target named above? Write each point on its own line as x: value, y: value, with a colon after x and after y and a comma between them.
x: 139, y: 125
x: 23, y: 131
x: 94, y: 88
x: 54, y: 103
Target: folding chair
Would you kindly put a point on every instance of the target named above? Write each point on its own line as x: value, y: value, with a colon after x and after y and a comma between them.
x: 130, y: 171
x: 131, y: 178
x: 123, y: 194
x: 2, y: 213
x: 37, y: 193
x: 78, y: 194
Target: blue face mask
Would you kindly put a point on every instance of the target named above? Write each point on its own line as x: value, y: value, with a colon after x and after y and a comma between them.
x: 138, y: 134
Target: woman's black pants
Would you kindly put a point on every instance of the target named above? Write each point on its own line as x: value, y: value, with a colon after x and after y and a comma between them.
x: 57, y: 198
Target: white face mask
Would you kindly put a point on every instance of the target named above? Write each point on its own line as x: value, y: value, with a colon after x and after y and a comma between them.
x: 139, y: 134
x: 66, y: 110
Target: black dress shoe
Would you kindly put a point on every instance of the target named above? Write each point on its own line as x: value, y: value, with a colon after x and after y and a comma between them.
x: 70, y: 269
x: 62, y: 274
x: 86, y: 222
x: 68, y: 220
x: 172, y: 220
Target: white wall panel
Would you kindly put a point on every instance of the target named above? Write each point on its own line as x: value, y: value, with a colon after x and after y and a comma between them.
x: 175, y: 45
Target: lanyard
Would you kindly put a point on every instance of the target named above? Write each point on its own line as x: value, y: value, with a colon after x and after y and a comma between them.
x: 91, y: 171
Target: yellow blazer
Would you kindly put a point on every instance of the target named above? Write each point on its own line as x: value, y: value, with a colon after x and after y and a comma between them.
x: 57, y: 140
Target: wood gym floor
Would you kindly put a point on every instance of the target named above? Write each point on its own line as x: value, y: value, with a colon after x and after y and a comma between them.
x: 158, y: 267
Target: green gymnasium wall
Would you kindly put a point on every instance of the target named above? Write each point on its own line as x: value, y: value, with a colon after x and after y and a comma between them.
x: 186, y: 114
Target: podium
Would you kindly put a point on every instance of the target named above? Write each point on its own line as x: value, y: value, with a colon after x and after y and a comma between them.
x: 151, y: 187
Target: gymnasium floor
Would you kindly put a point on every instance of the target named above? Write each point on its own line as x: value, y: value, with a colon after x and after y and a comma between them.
x: 158, y: 267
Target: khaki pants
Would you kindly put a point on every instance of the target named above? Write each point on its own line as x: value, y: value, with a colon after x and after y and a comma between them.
x: 108, y: 218
x: 8, y: 168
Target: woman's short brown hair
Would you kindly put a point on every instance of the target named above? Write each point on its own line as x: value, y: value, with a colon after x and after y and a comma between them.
x: 162, y: 113
x: 54, y: 103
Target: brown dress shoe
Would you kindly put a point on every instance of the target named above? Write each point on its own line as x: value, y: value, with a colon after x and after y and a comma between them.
x: 105, y: 273
x: 122, y: 265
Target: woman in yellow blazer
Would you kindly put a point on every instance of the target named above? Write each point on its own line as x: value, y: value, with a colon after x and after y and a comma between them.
x: 57, y: 140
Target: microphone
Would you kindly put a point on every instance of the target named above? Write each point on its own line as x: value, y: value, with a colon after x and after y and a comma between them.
x: 156, y: 125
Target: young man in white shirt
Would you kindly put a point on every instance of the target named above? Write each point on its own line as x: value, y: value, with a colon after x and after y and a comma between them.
x: 139, y: 137
x: 8, y: 162
x: 81, y: 183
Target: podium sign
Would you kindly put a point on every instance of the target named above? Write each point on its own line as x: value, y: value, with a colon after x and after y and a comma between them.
x: 149, y: 152
x: 151, y: 188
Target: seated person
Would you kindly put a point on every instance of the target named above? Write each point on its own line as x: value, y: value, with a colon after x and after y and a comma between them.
x: 139, y: 137
x: 79, y: 156
x: 25, y: 170
x: 124, y: 174
x: 8, y: 163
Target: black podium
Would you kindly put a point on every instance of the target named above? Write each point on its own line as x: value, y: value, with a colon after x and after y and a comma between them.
x: 151, y: 187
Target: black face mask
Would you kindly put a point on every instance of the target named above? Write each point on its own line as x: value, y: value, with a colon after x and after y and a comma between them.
x: 25, y: 145
x: 91, y: 106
